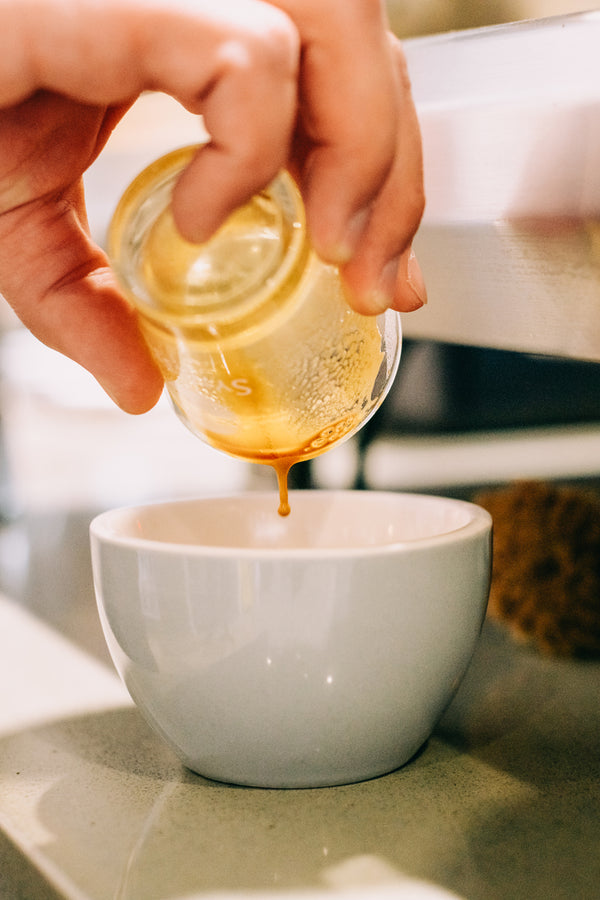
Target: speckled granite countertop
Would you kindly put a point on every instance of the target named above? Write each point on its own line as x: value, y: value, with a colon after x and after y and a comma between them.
x: 503, y: 802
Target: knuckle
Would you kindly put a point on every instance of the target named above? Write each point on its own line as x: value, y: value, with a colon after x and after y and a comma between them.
x: 273, y: 50
x: 416, y: 199
x: 263, y: 167
x: 412, y: 207
x: 281, y: 43
x: 403, y: 74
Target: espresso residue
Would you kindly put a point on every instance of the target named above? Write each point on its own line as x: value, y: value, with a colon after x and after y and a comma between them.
x: 281, y: 463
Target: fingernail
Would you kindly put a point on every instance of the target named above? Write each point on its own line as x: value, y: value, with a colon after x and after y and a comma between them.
x: 383, y: 295
x: 345, y: 249
x: 415, y: 280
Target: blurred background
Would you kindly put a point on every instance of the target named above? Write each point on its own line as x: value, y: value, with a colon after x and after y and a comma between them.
x: 410, y: 18
x: 457, y: 419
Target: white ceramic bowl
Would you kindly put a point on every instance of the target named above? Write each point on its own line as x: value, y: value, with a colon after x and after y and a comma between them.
x: 314, y: 650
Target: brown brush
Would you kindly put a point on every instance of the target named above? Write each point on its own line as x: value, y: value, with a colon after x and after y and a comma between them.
x: 546, y: 569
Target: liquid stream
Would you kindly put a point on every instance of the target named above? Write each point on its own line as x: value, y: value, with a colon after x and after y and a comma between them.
x: 282, y: 462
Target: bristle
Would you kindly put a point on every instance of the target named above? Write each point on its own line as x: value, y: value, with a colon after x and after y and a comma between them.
x: 546, y: 568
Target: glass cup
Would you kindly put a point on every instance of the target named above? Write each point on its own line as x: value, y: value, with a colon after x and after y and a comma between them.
x: 262, y: 356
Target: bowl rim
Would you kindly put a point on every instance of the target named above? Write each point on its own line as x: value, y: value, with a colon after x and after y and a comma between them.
x: 103, y: 531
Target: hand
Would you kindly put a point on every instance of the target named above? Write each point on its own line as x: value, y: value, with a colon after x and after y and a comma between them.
x: 259, y: 75
x: 359, y: 148
x: 355, y: 151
